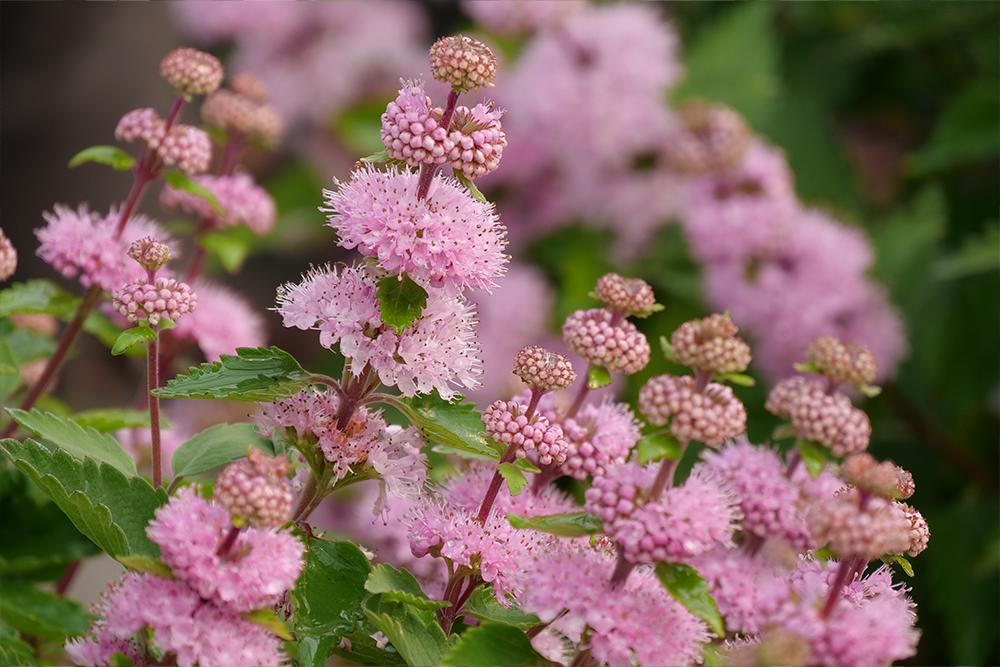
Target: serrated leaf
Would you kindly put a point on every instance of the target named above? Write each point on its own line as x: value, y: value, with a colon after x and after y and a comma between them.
x: 516, y: 481
x: 574, y: 524
x: 814, y: 456
x: 268, y: 619
x: 252, y: 374
x: 456, y: 426
x: 597, y: 377
x: 328, y: 594
x: 141, y: 563
x: 38, y: 613
x: 656, y: 447
x: 132, y: 337
x: 690, y: 589
x: 469, y: 185
x: 493, y: 645
x: 37, y: 297
x: 13, y: 650
x: 902, y: 562
x: 108, y: 420
x: 738, y: 379
x: 414, y: 633
x: 216, y: 446
x: 105, y: 505
x: 400, y: 301
x: 483, y: 604
x: 400, y: 585
x: 231, y: 245
x: 112, y: 156
x: 361, y: 650
x: 181, y: 181
x: 77, y: 440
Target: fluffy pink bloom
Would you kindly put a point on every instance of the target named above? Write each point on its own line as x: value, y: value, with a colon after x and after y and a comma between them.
x: 769, y: 501
x: 222, y: 322
x: 189, y: 530
x: 735, y: 579
x: 81, y: 244
x: 195, y: 631
x: 437, y: 351
x: 401, y: 465
x: 447, y: 240
x: 514, y: 17
x: 617, y: 493
x: 686, y: 521
x: 242, y: 202
x: 636, y: 623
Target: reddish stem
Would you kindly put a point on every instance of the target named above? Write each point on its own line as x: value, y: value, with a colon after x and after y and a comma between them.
x: 623, y: 568
x: 843, y: 570
x: 701, y: 380
x: 794, y: 460
x: 536, y: 395
x: 427, y: 171
x: 63, y: 585
x: 665, y: 476
x: 174, y: 114
x: 231, y: 153
x: 494, y: 488
x: 153, y: 382
x: 581, y: 397
x: 227, y: 544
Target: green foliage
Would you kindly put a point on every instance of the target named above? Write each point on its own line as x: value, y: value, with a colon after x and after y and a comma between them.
x: 574, y: 524
x: 146, y: 564
x: 105, y: 505
x: 10, y: 374
x: 216, y: 446
x: 516, y: 481
x: 43, y: 297
x: 814, y: 455
x: 108, y: 420
x: 252, y: 374
x: 267, y: 618
x: 452, y: 427
x: 111, y: 156
x: 469, y: 185
x: 977, y: 255
x: 80, y: 441
x: 689, y: 588
x: 38, y: 613
x: 493, y: 645
x: 357, y: 127
x: 129, y: 338
x: 231, y: 245
x: 414, y: 633
x: 399, y: 585
x: 656, y: 447
x: 597, y: 377
x: 401, y: 301
x: 573, y: 258
x: 965, y: 132
x: 13, y: 650
x: 183, y: 182
x: 483, y: 605
x: 903, y: 563
x: 738, y: 379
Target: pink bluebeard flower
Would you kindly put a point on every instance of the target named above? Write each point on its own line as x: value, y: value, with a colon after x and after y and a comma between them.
x: 467, y: 490
x: 261, y: 566
x: 447, y: 240
x: 879, y: 528
x: 80, y: 243
x: 184, y: 146
x: 829, y: 419
x: 154, y: 300
x: 463, y: 63
x: 8, y: 257
x: 628, y: 296
x: 244, y: 116
x: 196, y: 632
x: 222, y: 322
x: 542, y: 369
x: 256, y: 489
x: 735, y: 578
x: 711, y: 415
x: 711, y: 345
x: 769, y: 501
x: 241, y: 200
x: 707, y: 137
x: 636, y: 623
x: 516, y: 17
x: 438, y: 351
x: 508, y: 425
x: 411, y: 128
x: 619, y: 492
x: 606, y: 340
x: 191, y: 72
x: 401, y: 465
x: 686, y: 521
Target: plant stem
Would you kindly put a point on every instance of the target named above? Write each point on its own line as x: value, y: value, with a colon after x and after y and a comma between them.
x: 227, y: 544
x: 536, y: 396
x: 153, y: 382
x: 427, y: 171
x: 494, y: 488
x: 583, y: 659
x: 794, y: 459
x: 845, y: 568
x: 64, y: 582
x: 623, y: 568
x: 665, y: 476
x: 231, y: 153
x: 308, y: 493
x: 701, y: 380
x: 581, y: 397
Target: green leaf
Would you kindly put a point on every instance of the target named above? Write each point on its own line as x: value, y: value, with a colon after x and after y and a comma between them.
x: 328, y: 594
x: 456, y: 426
x: 689, y: 588
x: 131, y: 337
x: 37, y: 297
x: 814, y: 455
x: 80, y: 441
x: 739, y: 379
x: 378, y: 157
x: 807, y: 367
x: 401, y: 301
x: 121, y: 660
x: 10, y: 374
x: 655, y: 308
x: 252, y: 374
x: 656, y: 447
x: 516, y: 481
x: 493, y: 645
x: 483, y: 605
x: 597, y: 377
x: 38, y: 613
x: 268, y: 619
x: 148, y: 564
x: 13, y: 650
x: 977, y: 255
x: 870, y: 390
x: 108, y: 420
x: 574, y: 524
x: 668, y: 350
x: 181, y: 181
x: 414, y: 633
x: 357, y: 127
x: 400, y: 585
x: 784, y: 432
x: 902, y: 562
x: 362, y: 650
x: 111, y: 156
x: 101, y: 326
x: 966, y: 131
x: 105, y: 505
x: 469, y: 185
x: 231, y: 245
x: 216, y: 446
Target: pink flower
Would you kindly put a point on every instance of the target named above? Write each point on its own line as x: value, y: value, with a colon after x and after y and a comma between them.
x: 81, y: 244
x: 222, y: 322
x: 8, y: 257
x: 606, y: 340
x: 734, y: 578
x: 467, y: 489
x: 619, y: 492
x: 515, y: 17
x: 447, y: 240
x: 154, y: 300
x: 436, y: 352
x: 401, y: 465
x: 261, y: 566
x: 242, y: 202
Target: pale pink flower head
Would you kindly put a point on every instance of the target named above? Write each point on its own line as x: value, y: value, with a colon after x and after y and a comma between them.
x: 186, y: 147
x: 711, y: 415
x: 8, y: 257
x: 885, y: 478
x: 517, y: 17
x: 618, y: 493
x: 543, y: 370
x: 82, y: 244
x: 411, y: 128
x: 152, y: 301
x: 446, y: 240
x: 628, y: 296
x: 711, y: 345
x: 438, y: 351
x: 143, y: 124
x: 243, y: 116
x: 256, y: 489
x: 601, y: 435
x: 249, y: 86
x: 829, y: 419
x: 736, y: 580
x: 222, y: 322
x: 607, y: 340
x: 463, y: 63
x: 401, y: 465
x: 149, y: 253
x: 478, y: 140
x: 191, y: 72
x: 853, y: 364
x: 710, y: 137
x: 241, y: 200
x: 508, y: 425
x: 259, y: 568
x: 855, y: 529
x: 920, y: 532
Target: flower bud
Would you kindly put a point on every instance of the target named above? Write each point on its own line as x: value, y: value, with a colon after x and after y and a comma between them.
x: 543, y: 370
x: 853, y: 364
x: 711, y: 345
x: 256, y: 490
x: 8, y: 257
x: 629, y: 296
x: 463, y: 62
x: 191, y: 72
x: 149, y: 253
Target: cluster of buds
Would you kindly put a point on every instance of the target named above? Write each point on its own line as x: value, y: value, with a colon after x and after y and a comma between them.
x: 543, y: 370
x: 626, y: 296
x: 508, y: 423
x: 855, y: 526
x: 711, y: 414
x: 842, y: 363
x: 149, y: 253
x: 885, y: 479
x: 8, y: 257
x: 152, y: 301
x: 710, y: 138
x: 256, y: 490
x: 617, y: 494
x: 191, y: 72
x: 463, y: 63
x: 184, y: 146
x: 604, y: 336
x: 710, y: 345
x: 243, y: 111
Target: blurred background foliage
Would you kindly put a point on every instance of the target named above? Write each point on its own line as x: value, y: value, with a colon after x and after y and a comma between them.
x: 890, y: 116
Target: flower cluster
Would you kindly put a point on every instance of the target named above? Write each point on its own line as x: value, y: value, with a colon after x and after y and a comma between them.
x: 8, y: 257
x: 239, y: 201
x: 184, y: 146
